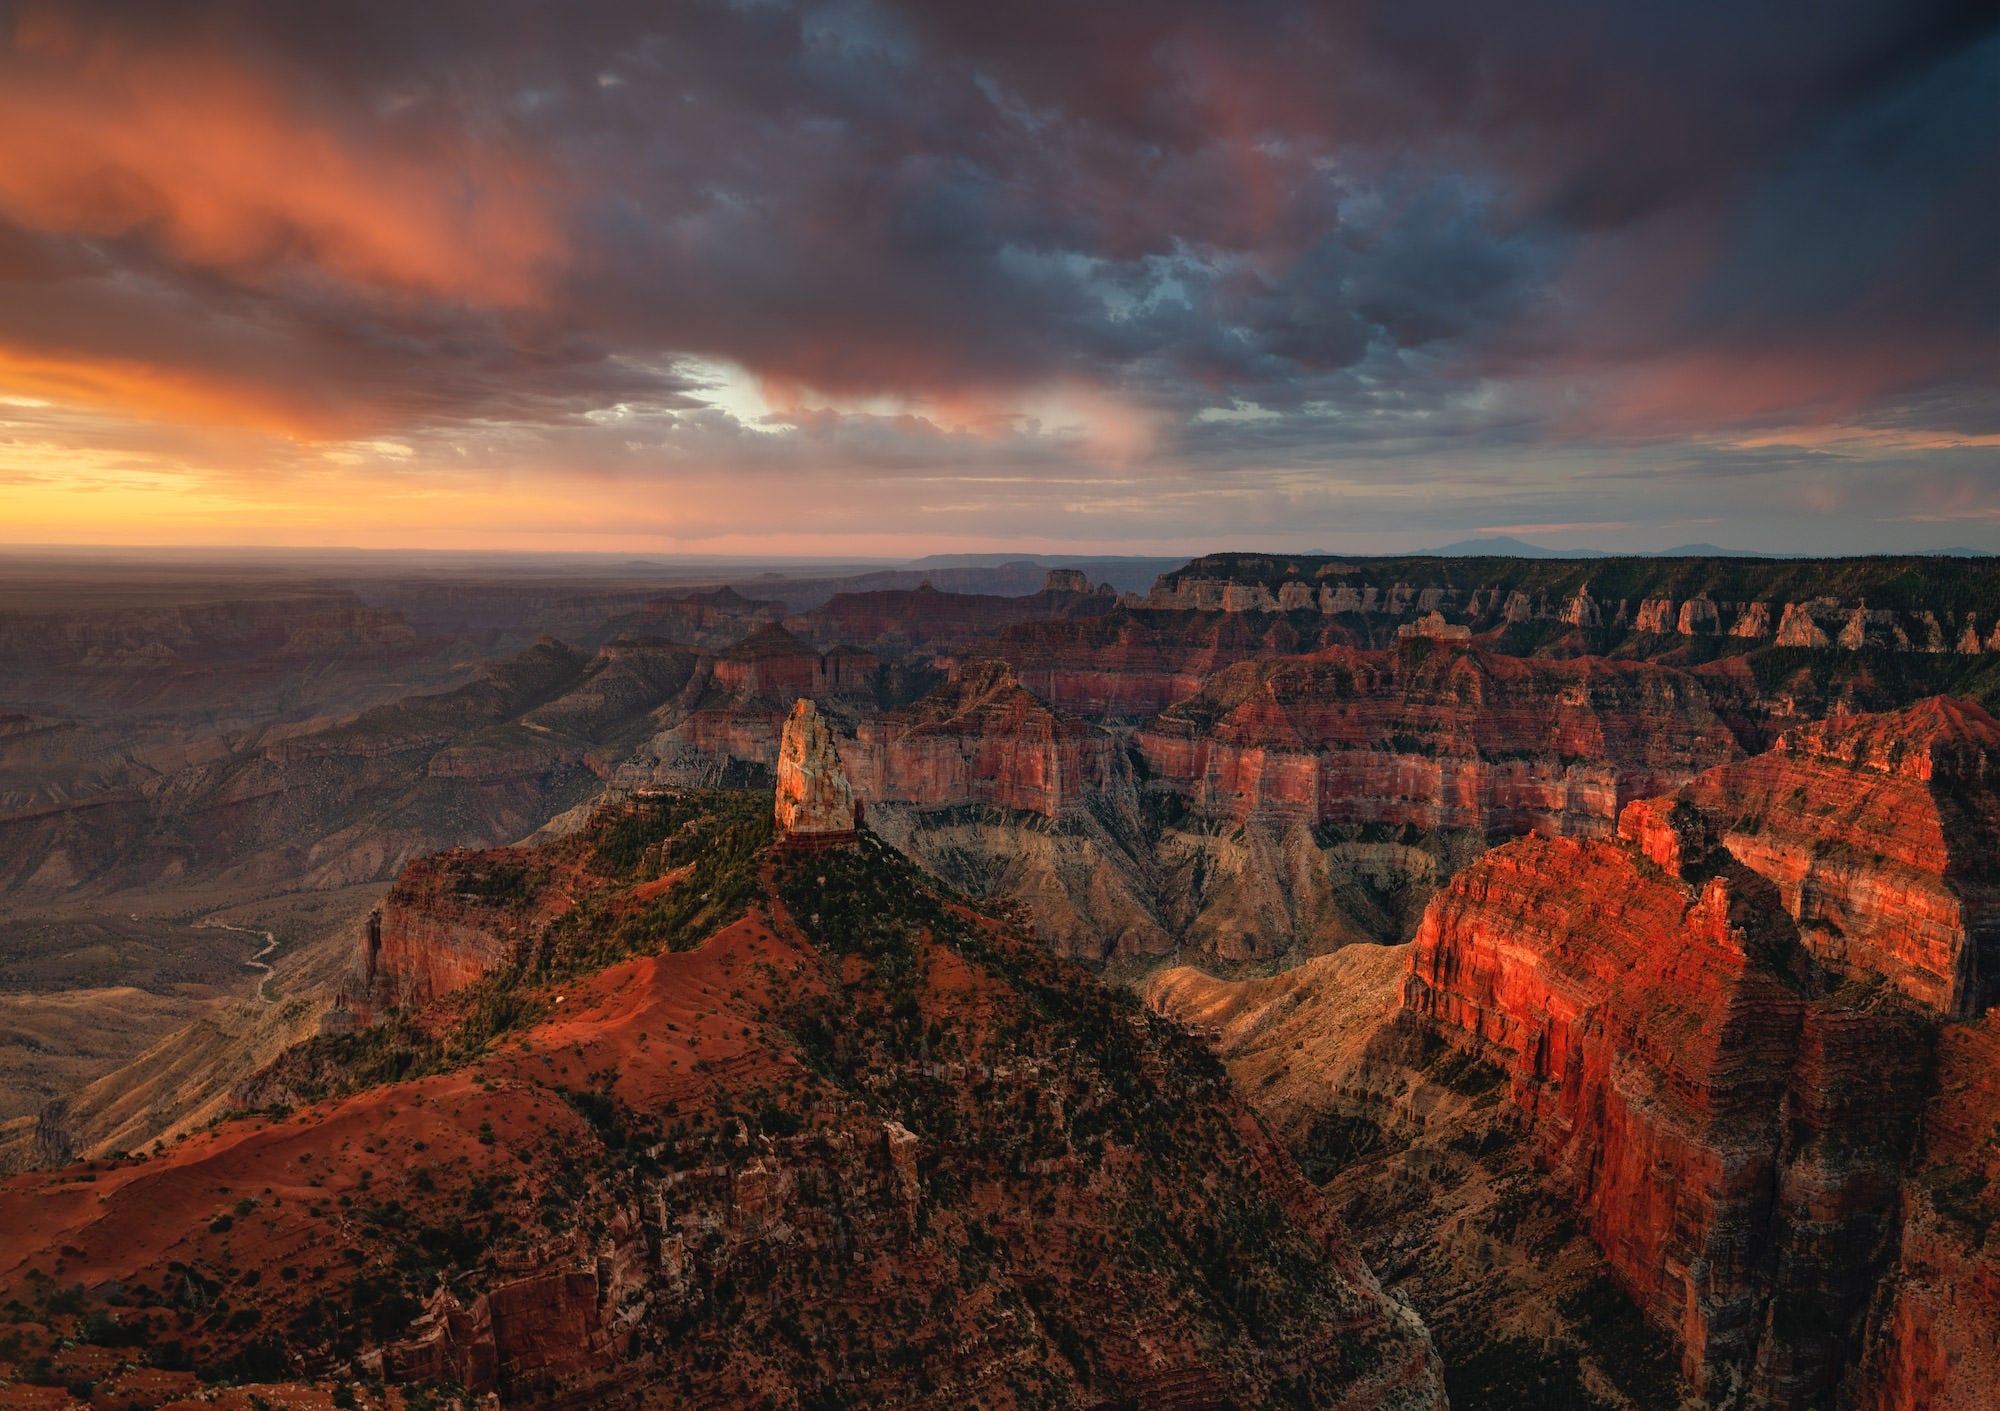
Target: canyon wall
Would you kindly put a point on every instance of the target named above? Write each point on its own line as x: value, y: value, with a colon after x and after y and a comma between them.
x: 1882, y: 836
x: 1735, y: 1056
x: 1720, y: 1029
x: 1435, y: 735
x: 1729, y: 1130
x: 980, y: 739
x: 450, y: 919
x: 1920, y: 605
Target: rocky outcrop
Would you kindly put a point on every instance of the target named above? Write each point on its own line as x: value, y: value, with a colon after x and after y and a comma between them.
x: 1697, y: 616
x: 1797, y: 628
x: 1583, y: 610
x: 451, y: 919
x: 979, y: 739
x: 815, y: 801
x: 1753, y: 621
x: 1433, y: 628
x: 686, y: 1174
x: 1682, y: 1076
x: 1655, y: 615
x: 1881, y: 835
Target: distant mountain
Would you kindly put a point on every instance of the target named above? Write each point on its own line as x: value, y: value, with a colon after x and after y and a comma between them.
x: 1709, y: 551
x: 1504, y: 546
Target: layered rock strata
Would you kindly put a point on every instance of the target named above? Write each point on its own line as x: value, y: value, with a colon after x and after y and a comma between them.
x: 1437, y: 736
x: 449, y: 920
x: 771, y: 664
x: 980, y: 739
x: 1721, y: 1036
x: 1730, y: 1128
x: 1736, y: 600
x: 1882, y: 837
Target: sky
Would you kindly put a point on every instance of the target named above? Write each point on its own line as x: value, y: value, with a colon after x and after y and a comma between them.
x: 1129, y: 276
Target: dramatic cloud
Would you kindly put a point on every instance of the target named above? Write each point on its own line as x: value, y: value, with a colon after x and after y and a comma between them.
x: 1147, y: 271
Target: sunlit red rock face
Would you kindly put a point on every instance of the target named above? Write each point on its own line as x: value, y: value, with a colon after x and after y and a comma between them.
x: 814, y: 798
x: 1735, y: 1114
x: 983, y: 739
x: 1882, y: 835
x: 1437, y: 736
x: 450, y: 919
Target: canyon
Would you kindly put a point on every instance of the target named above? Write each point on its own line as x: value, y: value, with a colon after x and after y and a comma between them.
x: 1611, y: 942
x: 1741, y: 1058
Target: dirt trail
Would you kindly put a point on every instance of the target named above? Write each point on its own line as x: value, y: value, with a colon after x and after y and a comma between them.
x: 257, y: 961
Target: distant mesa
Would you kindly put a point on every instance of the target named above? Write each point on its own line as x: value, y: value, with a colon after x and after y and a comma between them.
x: 816, y: 805
x: 1074, y: 580
x: 1432, y: 627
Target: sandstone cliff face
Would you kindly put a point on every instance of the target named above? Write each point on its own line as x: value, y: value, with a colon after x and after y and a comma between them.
x: 1882, y: 835
x: 1636, y: 600
x: 980, y: 739
x: 1730, y: 1132
x: 1413, y: 1140
x: 451, y: 919
x: 1934, y: 1336
x: 1437, y: 737
x: 1781, y: 1157
x: 814, y: 797
x: 1737, y: 1126
x: 1132, y: 665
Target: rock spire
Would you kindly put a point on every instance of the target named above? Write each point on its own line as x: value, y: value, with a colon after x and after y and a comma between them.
x: 815, y: 801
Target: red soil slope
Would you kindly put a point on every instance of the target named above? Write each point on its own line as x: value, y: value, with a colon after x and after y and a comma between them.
x: 856, y: 1144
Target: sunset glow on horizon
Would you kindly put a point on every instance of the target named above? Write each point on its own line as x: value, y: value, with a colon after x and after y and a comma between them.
x: 877, y: 278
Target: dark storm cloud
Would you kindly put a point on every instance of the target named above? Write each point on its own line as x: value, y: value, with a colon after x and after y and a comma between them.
x: 1345, y: 214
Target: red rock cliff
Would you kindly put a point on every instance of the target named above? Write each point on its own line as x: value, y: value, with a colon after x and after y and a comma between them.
x: 981, y: 738
x: 814, y: 797
x: 1721, y: 1031
x: 1729, y: 1129
x: 450, y: 919
x: 1882, y: 835
x: 1436, y: 736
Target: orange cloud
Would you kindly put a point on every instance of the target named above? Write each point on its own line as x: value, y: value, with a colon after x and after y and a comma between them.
x: 136, y: 388
x: 224, y: 170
